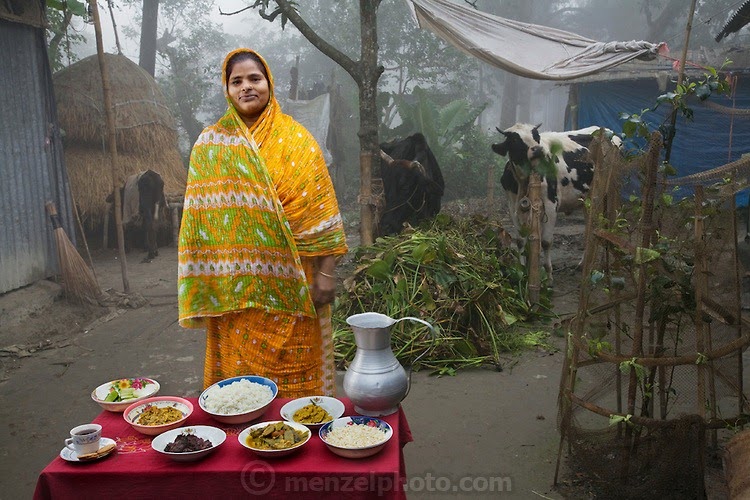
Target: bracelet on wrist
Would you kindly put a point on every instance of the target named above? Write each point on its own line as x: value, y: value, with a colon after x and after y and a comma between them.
x: 327, y: 275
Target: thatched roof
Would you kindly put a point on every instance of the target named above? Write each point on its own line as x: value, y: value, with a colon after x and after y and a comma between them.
x: 145, y: 129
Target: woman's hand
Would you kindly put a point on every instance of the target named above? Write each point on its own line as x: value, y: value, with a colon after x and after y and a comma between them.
x: 323, y: 289
x: 324, y: 281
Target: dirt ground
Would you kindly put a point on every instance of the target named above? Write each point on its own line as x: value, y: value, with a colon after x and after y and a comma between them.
x: 494, y: 427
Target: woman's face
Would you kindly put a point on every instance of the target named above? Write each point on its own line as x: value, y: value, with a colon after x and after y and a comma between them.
x: 248, y: 89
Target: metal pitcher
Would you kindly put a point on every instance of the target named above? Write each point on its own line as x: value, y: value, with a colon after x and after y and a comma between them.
x: 375, y: 381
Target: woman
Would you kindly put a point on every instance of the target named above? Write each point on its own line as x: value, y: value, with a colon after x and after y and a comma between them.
x: 260, y: 236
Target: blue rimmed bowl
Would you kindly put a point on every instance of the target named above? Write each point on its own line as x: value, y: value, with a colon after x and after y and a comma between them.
x: 239, y: 413
x: 358, y: 444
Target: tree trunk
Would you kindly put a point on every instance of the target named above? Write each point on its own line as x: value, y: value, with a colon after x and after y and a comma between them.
x: 147, y: 53
x: 54, y: 43
x: 365, y: 73
x: 368, y: 115
x: 192, y: 126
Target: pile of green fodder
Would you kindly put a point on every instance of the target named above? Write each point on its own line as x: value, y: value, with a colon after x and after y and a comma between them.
x: 463, y: 276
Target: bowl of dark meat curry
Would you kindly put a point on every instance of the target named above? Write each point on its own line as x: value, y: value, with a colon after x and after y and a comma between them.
x: 188, y: 444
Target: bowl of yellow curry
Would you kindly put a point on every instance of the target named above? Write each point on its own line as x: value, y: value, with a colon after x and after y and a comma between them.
x: 152, y: 416
x: 312, y: 411
x: 276, y: 438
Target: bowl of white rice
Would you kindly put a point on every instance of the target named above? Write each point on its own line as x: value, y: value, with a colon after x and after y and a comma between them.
x: 238, y: 400
x: 356, y: 436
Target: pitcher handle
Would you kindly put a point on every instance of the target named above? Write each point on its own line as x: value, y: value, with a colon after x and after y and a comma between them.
x: 433, y: 335
x: 408, y: 368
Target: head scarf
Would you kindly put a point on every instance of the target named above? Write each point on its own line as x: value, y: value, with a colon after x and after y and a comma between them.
x: 256, y: 200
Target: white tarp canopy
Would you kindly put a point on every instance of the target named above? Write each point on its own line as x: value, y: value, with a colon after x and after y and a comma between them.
x: 315, y: 115
x: 527, y: 50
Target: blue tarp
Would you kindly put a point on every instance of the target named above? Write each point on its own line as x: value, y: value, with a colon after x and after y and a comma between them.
x: 710, y: 140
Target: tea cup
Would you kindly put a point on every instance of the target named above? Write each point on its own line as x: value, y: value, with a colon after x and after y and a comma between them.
x: 84, y: 439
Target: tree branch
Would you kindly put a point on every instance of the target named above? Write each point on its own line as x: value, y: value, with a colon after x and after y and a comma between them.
x: 350, y: 66
x: 221, y: 12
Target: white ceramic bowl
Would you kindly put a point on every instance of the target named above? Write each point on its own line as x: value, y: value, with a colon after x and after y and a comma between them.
x: 145, y: 388
x: 213, y: 434
x: 356, y: 452
x: 134, y: 411
x: 242, y: 438
x: 244, y: 416
x: 333, y: 406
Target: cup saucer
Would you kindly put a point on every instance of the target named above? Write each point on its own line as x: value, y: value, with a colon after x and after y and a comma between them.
x: 71, y: 456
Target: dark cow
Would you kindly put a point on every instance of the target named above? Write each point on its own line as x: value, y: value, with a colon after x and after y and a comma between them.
x: 524, y: 145
x: 412, y: 182
x: 142, y: 201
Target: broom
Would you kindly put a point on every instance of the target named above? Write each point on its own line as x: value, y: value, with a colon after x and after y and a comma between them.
x: 78, y: 280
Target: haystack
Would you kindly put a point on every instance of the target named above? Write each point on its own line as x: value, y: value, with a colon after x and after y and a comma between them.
x: 145, y: 130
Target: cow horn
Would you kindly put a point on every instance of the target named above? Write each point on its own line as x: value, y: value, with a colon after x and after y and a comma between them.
x: 384, y: 156
x: 502, y: 132
x: 539, y: 125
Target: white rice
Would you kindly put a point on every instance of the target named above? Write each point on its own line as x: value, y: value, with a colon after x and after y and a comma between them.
x: 238, y: 397
x: 355, y: 436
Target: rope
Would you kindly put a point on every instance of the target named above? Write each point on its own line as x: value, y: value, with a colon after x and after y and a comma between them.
x: 737, y: 167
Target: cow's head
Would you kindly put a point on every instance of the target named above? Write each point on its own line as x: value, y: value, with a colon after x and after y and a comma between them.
x: 521, y: 144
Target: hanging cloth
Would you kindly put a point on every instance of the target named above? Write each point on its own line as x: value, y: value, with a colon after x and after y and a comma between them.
x: 528, y: 50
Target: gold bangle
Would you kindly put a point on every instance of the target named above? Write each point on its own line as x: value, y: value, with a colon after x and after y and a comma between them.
x: 327, y: 275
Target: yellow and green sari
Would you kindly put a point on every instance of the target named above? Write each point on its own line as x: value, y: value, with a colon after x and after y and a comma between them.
x: 259, y: 208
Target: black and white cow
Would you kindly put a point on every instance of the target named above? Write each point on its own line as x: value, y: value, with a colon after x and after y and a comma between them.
x: 524, y: 145
x: 412, y: 182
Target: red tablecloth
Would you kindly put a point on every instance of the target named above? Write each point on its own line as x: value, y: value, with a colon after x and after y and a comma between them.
x: 135, y: 470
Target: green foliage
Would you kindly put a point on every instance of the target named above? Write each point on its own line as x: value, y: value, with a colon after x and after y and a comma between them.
x: 635, y: 126
x: 455, y: 274
x: 60, y: 38
x: 76, y: 7
x: 462, y: 150
x: 465, y: 168
x: 442, y: 124
x: 632, y: 364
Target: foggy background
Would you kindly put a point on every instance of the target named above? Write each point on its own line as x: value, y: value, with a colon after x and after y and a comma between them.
x: 422, y: 74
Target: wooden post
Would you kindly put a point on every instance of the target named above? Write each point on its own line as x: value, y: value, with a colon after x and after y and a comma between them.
x: 535, y: 196
x: 111, y: 143
x: 105, y: 234
x: 294, y: 83
x: 680, y: 76
x: 175, y: 212
x: 700, y: 327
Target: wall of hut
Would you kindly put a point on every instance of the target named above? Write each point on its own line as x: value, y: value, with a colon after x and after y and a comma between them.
x: 31, y: 161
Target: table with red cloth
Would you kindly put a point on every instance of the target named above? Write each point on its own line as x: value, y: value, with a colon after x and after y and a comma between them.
x: 135, y: 470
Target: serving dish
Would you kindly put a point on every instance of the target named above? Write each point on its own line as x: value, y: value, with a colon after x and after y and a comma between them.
x: 214, y: 435
x: 105, y: 443
x: 141, y: 387
x: 134, y: 411
x: 356, y: 451
x: 273, y: 453
x: 239, y: 416
x: 332, y: 406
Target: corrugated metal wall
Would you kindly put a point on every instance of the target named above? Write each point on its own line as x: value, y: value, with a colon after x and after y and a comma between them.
x: 31, y: 159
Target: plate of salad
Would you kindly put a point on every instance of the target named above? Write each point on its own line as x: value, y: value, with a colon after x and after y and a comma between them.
x: 116, y: 395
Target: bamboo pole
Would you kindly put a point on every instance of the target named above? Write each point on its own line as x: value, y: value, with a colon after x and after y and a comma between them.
x: 680, y: 78
x: 111, y: 143
x: 738, y: 302
x: 700, y: 336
